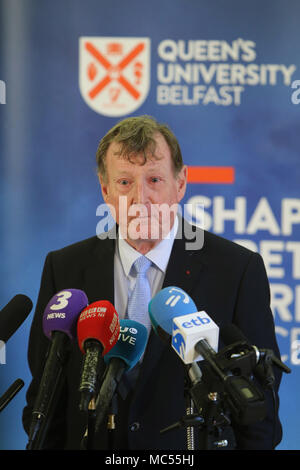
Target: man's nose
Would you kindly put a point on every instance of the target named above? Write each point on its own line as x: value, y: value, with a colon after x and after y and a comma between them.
x: 140, y: 195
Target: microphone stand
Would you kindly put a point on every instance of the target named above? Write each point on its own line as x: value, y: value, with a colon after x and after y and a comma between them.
x: 189, y: 411
x: 228, y: 374
x: 111, y: 422
x: 91, y: 417
x: 214, y: 424
x: 88, y: 440
x: 211, y: 418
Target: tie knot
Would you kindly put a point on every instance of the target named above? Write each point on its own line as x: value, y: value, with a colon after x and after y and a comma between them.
x: 141, y: 265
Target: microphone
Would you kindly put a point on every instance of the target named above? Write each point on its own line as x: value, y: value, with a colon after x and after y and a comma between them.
x: 120, y: 359
x: 98, y: 328
x: 13, y: 315
x: 10, y: 393
x: 59, y: 325
x: 167, y: 304
x: 171, y: 312
x: 195, y: 337
x: 198, y: 334
x: 11, y: 318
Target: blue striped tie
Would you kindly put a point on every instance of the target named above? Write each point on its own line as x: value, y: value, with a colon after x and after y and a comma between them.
x: 141, y: 295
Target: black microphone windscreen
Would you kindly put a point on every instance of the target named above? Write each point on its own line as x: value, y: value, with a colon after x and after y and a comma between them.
x: 13, y: 315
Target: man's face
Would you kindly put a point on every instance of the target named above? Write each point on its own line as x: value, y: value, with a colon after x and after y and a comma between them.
x: 144, y: 196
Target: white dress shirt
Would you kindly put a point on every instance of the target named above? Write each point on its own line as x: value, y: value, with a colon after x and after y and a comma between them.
x: 125, y: 256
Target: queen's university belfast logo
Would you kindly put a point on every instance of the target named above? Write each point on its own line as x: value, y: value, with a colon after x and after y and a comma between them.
x: 114, y: 73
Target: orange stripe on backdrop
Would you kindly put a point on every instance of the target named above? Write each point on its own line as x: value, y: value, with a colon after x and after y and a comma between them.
x: 211, y: 174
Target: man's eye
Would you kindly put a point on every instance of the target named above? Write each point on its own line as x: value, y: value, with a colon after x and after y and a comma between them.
x: 155, y: 179
x: 123, y: 182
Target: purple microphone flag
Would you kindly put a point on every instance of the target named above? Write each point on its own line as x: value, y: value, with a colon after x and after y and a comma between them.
x: 62, y: 312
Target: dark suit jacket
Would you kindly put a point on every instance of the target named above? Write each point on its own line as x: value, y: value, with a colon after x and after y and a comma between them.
x: 228, y: 281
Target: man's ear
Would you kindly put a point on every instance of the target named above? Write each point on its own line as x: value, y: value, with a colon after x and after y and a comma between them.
x: 181, y: 183
x: 104, y: 187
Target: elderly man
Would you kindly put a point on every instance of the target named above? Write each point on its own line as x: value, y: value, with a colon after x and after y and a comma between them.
x: 143, y: 179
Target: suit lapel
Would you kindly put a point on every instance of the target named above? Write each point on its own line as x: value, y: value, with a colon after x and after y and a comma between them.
x: 99, y: 272
x: 186, y: 267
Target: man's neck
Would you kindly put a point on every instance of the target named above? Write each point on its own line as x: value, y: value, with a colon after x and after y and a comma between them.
x: 143, y: 246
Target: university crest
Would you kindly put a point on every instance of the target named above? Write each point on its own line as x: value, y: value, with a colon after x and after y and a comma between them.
x: 114, y: 73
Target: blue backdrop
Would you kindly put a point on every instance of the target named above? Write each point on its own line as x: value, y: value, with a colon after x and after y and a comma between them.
x: 223, y: 75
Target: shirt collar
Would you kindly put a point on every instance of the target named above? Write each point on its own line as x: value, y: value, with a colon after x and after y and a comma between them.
x: 159, y: 255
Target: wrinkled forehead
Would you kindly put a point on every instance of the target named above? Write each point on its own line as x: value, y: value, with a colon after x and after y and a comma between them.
x: 156, y: 151
x: 148, y: 144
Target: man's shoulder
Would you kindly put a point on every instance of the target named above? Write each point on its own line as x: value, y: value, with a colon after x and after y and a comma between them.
x: 221, y: 254
x: 84, y: 248
x: 216, y: 250
x: 217, y: 242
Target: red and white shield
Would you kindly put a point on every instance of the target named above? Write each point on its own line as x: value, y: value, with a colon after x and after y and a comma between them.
x: 114, y: 73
